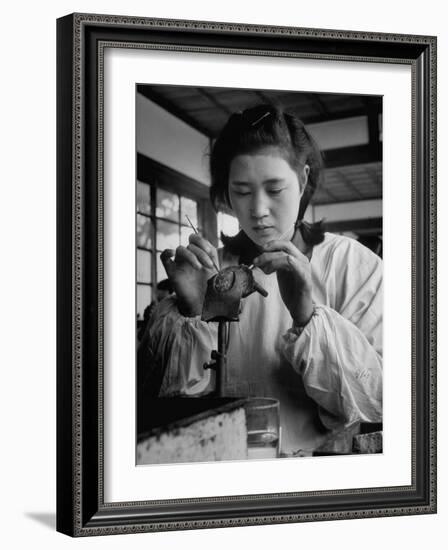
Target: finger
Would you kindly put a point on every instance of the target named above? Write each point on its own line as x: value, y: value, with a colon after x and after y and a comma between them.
x: 276, y: 261
x: 203, y: 244
x: 183, y: 255
x: 268, y: 256
x: 168, y: 264
x: 202, y: 256
x: 285, y: 246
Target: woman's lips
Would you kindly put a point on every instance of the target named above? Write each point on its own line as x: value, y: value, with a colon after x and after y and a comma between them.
x: 263, y: 227
x: 264, y: 232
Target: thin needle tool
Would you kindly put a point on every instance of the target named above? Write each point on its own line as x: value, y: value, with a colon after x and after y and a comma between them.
x: 197, y: 233
x: 278, y: 239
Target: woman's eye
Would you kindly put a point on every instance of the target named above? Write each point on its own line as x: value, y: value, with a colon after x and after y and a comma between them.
x: 275, y: 191
x: 242, y: 193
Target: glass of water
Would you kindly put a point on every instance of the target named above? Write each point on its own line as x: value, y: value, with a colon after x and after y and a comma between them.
x: 263, y: 427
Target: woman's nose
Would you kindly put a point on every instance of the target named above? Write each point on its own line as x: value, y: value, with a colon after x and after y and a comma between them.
x: 259, y: 207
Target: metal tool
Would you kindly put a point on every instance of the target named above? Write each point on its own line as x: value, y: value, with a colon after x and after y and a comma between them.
x: 222, y: 304
x: 197, y: 233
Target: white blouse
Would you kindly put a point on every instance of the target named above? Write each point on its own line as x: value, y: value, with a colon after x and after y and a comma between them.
x: 330, y: 373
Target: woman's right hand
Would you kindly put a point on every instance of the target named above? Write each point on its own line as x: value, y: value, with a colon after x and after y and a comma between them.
x: 189, y: 272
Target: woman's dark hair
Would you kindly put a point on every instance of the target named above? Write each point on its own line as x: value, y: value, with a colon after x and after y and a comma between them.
x: 249, y: 131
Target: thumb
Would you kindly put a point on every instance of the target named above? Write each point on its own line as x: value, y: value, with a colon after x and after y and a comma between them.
x: 167, y: 262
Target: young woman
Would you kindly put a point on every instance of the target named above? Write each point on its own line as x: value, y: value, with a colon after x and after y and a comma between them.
x: 315, y: 343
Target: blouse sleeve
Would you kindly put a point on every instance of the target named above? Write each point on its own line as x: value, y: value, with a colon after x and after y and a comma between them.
x: 339, y: 352
x: 179, y: 346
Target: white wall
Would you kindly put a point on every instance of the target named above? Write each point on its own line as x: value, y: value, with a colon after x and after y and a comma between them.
x: 27, y: 404
x: 340, y: 133
x: 167, y: 139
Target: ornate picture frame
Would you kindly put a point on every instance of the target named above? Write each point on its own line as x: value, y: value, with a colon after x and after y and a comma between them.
x: 81, y: 506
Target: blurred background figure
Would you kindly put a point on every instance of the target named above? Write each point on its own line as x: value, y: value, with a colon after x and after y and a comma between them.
x: 163, y: 290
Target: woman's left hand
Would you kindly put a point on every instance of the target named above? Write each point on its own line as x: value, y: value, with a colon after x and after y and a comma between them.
x: 293, y: 275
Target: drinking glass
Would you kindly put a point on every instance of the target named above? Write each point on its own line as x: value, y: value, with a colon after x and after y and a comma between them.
x: 263, y: 427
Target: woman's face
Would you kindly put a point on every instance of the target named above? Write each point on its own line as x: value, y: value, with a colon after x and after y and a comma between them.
x: 265, y: 194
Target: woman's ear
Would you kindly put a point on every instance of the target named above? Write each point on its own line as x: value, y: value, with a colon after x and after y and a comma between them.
x: 303, y: 177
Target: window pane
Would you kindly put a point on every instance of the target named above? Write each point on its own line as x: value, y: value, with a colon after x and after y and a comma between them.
x: 167, y: 205
x: 144, y: 293
x: 143, y: 266
x: 185, y: 232
x: 161, y: 273
x: 189, y: 208
x: 143, y: 198
x: 227, y: 224
x: 144, y: 231
x: 167, y: 235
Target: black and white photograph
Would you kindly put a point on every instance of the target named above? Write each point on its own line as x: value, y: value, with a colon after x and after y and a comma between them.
x: 259, y: 278
x: 246, y: 233
x: 223, y: 261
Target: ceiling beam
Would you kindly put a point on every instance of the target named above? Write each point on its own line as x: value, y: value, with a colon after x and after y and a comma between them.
x: 374, y: 108
x: 325, y: 191
x: 315, y: 98
x: 262, y: 96
x: 346, y: 156
x: 361, y: 226
x: 349, y: 184
x: 220, y: 106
